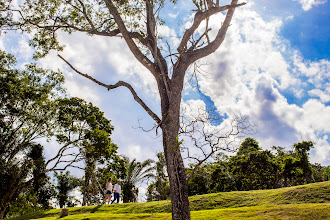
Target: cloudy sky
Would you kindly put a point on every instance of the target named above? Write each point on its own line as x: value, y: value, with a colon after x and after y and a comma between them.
x: 273, y: 68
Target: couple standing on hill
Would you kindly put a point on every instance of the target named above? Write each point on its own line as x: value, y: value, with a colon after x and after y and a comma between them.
x: 116, y: 191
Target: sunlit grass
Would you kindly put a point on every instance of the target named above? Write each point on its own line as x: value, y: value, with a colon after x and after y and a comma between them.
x: 312, y: 201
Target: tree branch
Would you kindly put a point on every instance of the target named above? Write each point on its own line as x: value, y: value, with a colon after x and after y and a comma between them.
x: 118, y: 84
x: 215, y: 44
x: 199, y: 17
x: 131, y: 44
x: 152, y: 43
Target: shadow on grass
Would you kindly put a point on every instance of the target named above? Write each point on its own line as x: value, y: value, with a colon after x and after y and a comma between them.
x: 34, y: 215
x: 96, y: 208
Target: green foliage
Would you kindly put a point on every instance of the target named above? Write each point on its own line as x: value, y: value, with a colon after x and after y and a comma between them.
x: 221, y: 179
x: 302, y: 152
x: 160, y: 188
x: 65, y: 184
x: 27, y: 113
x: 248, y: 145
x: 318, y: 172
x: 136, y: 173
x: 253, y: 168
x: 32, y: 107
x: 200, y: 183
x: 92, y: 131
x: 326, y: 173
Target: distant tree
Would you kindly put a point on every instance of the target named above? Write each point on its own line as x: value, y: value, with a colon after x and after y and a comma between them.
x: 160, y: 188
x: 222, y: 179
x: 199, y: 183
x: 317, y: 172
x: 326, y: 173
x: 302, y: 152
x: 254, y: 168
x: 248, y: 145
x: 136, y: 173
x: 65, y: 183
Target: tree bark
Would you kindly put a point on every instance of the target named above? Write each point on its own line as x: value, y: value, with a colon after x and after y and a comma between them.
x: 170, y: 128
x: 6, y: 201
x: 176, y: 173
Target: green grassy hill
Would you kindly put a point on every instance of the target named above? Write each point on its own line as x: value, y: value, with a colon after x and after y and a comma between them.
x: 310, y: 201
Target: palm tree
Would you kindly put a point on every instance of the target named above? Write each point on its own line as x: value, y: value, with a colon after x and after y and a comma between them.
x: 136, y: 173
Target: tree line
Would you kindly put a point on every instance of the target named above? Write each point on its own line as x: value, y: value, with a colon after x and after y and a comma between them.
x: 251, y: 168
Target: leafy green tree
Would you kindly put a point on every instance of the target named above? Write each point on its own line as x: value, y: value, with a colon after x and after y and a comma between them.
x: 248, y: 145
x: 302, y: 152
x: 65, y: 184
x: 136, y: 173
x: 86, y: 121
x: 317, y: 172
x: 136, y: 23
x: 31, y: 109
x: 253, y: 168
x: 326, y: 173
x: 160, y: 188
x: 27, y: 113
x: 199, y: 183
x: 221, y: 179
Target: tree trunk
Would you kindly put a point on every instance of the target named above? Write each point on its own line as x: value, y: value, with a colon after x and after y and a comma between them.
x: 5, y: 203
x: 7, y: 198
x: 2, y: 213
x: 175, y: 166
x: 177, y: 175
x: 85, y: 196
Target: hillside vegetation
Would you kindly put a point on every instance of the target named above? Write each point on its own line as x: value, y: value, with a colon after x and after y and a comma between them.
x: 310, y: 201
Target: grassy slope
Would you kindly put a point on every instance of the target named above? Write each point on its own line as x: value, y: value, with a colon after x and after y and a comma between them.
x: 310, y: 201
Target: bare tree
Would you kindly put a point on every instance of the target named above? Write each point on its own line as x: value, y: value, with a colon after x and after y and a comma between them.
x: 136, y: 23
x: 208, y: 133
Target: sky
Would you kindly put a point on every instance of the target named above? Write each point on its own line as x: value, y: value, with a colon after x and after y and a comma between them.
x: 273, y: 68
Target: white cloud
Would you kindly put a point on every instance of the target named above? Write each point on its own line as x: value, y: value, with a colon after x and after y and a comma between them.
x: 308, y: 4
x: 324, y: 96
x: 2, y: 46
x: 173, y: 15
x: 318, y: 72
x: 321, y: 150
x: 248, y: 74
x: 317, y: 116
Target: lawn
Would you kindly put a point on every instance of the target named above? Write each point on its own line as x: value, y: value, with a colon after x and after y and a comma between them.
x: 310, y: 201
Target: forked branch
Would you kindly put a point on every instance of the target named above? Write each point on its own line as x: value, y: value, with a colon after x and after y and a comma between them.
x: 199, y: 17
x: 215, y: 44
x: 130, y: 42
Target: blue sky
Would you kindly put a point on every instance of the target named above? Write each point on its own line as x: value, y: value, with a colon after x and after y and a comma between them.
x: 273, y: 68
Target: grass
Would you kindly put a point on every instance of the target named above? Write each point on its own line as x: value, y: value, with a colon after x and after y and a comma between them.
x: 310, y: 201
